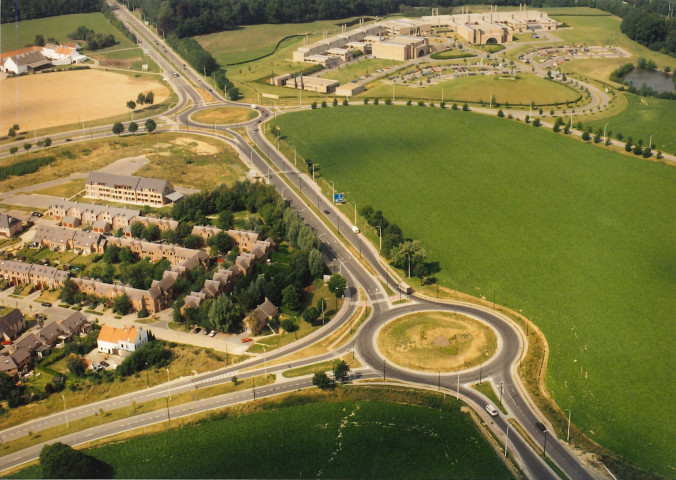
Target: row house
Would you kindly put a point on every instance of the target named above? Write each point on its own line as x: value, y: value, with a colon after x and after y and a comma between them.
x: 155, y: 252
x: 42, y: 276
x: 89, y: 213
x: 163, y: 224
x: 246, y: 241
x: 130, y: 189
x: 61, y: 239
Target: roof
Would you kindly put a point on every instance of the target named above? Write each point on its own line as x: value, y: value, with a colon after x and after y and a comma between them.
x: 115, y: 335
x: 30, y: 341
x: 268, y: 308
x: 50, y: 332
x: 135, y: 183
x: 7, y: 364
x: 14, y: 53
x: 73, y: 323
x: 83, y: 237
x: 64, y: 50
x: 9, y: 321
x: 174, y: 196
x: 66, y: 205
x: 8, y: 222
x: 29, y: 57
x: 60, y: 235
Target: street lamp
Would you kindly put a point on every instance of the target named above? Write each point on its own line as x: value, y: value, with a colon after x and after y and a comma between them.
x: 650, y: 142
x: 409, y: 264
x: 265, y: 362
x: 333, y: 191
x: 507, y: 437
x: 313, y: 170
x: 380, y: 236
x: 168, y: 384
x: 604, y: 132
x: 568, y: 434
x: 65, y: 411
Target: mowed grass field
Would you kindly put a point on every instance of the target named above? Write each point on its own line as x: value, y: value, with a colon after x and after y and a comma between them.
x: 639, y: 118
x: 224, y: 115
x: 362, y: 439
x: 521, y: 89
x: 59, y: 28
x: 252, y: 41
x: 578, y: 238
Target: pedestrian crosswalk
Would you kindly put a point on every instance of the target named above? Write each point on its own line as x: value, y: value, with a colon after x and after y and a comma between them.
x: 217, y: 377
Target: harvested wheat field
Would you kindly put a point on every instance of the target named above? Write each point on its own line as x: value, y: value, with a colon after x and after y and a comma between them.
x: 436, y: 341
x: 62, y: 98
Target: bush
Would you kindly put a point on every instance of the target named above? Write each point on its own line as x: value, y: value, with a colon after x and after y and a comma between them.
x: 585, y: 136
x: 61, y: 461
x: 501, y: 113
x: 311, y: 315
x: 288, y: 325
x: 465, y: 107
x: 143, y: 313
x: 152, y: 354
x: 321, y: 380
x: 24, y: 167
x: 313, y: 105
x: 409, y: 102
x: 376, y: 101
x: 536, y: 122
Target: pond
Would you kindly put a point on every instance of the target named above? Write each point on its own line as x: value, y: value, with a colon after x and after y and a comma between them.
x: 659, y: 81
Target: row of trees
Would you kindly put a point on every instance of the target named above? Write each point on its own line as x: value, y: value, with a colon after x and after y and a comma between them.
x: 118, y: 127
x: 24, y: 167
x: 28, y: 9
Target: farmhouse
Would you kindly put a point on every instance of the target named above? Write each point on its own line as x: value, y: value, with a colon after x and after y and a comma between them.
x: 129, y: 189
x: 12, y: 324
x: 34, y: 58
x: 115, y: 340
x: 27, y: 61
x: 9, y: 226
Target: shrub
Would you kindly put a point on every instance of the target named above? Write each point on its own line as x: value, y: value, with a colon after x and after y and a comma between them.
x: 143, y: 313
x: 536, y: 122
x: 313, y: 105
x: 288, y: 325
x: 586, y: 136
x: 465, y: 108
x: 501, y: 113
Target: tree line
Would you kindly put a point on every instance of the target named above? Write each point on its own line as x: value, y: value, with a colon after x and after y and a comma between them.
x: 24, y: 167
x: 29, y: 9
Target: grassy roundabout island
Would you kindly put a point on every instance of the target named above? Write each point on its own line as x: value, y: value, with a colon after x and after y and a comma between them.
x: 224, y: 115
x: 437, y: 341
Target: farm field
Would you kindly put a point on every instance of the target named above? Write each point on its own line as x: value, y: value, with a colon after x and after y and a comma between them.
x: 570, y: 234
x: 325, y: 440
x: 640, y: 118
x: 84, y: 96
x: 224, y: 115
x: 211, y: 161
x: 59, y: 28
x: 252, y: 41
x: 520, y: 89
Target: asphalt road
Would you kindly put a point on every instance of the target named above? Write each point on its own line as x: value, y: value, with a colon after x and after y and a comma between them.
x: 500, y: 368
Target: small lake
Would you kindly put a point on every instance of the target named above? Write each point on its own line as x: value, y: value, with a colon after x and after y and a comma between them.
x: 658, y: 81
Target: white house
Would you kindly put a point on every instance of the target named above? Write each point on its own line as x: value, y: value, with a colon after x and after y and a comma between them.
x: 114, y: 340
x: 26, y: 61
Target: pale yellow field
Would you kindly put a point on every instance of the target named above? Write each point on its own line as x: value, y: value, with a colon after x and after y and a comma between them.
x: 61, y: 98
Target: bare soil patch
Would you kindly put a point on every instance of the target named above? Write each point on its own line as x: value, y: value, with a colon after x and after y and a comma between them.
x: 437, y: 341
x: 224, y: 115
x: 61, y: 98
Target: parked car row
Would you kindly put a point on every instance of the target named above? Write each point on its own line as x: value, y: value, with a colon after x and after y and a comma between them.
x: 205, y: 331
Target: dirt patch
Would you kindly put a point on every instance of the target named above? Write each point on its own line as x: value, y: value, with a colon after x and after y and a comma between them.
x: 52, y: 99
x: 224, y: 115
x: 197, y: 146
x: 437, y: 341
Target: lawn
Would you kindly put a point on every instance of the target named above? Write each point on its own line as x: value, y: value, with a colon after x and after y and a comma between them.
x: 59, y: 28
x: 353, y: 71
x: 572, y: 235
x: 65, y: 190
x: 522, y: 89
x: 252, y: 41
x: 224, y: 115
x: 125, y: 58
x: 641, y: 118
x: 320, y: 439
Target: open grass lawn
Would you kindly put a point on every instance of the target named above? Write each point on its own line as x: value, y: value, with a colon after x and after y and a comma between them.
x: 252, y: 41
x: 323, y: 440
x: 125, y: 58
x: 181, y: 158
x: 224, y: 115
x: 59, y: 28
x: 578, y: 238
x: 521, y: 89
x: 65, y: 190
x: 641, y: 118
x: 354, y: 70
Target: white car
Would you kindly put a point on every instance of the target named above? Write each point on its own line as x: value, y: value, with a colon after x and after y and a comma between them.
x: 492, y: 411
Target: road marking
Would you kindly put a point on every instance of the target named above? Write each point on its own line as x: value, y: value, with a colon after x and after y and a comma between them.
x: 217, y: 377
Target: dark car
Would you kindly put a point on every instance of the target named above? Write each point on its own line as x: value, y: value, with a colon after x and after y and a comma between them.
x: 104, y: 363
x: 46, y: 304
x: 326, y: 212
x: 197, y: 330
x: 541, y: 426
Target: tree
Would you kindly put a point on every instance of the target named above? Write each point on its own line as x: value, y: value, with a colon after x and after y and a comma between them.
x: 586, y: 136
x: 11, y: 132
x: 501, y: 113
x: 141, y: 98
x: 315, y: 263
x: 341, y: 371
x: 321, y: 380
x: 465, y: 107
x: 121, y: 304
x: 62, y: 461
x: 76, y: 365
x: 133, y: 127
x: 13, y: 150
x: 136, y: 229
x: 288, y: 325
x: 39, y: 40
x: 225, y: 220
x: 536, y: 122
x: 311, y: 315
x: 192, y: 241
x: 27, y: 146
x: 337, y: 285
x: 69, y: 291
x: 118, y: 128
x: 131, y: 105
x: 48, y: 142
x: 291, y: 298
x: 223, y: 313
x: 150, y: 98
x: 150, y: 125
x: 220, y: 242
x: 151, y: 233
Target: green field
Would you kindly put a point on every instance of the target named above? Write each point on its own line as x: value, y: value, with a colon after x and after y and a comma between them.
x: 578, y: 238
x: 360, y: 439
x: 521, y: 89
x: 642, y: 117
x: 59, y: 28
x: 364, y: 66
x: 252, y: 41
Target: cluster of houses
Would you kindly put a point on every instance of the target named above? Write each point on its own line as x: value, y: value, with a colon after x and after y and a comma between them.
x: 153, y: 192
x: 31, y: 59
x: 16, y: 357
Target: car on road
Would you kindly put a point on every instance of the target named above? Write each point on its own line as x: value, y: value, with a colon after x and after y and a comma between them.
x: 492, y: 411
x: 197, y: 330
x: 259, y: 121
x: 174, y: 74
x: 326, y: 211
x: 46, y: 304
x: 212, y: 333
x: 255, y: 129
x: 541, y: 426
x: 246, y: 339
x: 205, y: 331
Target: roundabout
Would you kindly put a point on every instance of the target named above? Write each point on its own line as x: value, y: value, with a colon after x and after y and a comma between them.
x: 436, y: 342
x: 223, y: 115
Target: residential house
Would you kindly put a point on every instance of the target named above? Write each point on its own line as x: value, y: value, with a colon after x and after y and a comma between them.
x: 259, y: 318
x: 9, y: 226
x: 12, y: 324
x: 89, y: 213
x: 115, y: 340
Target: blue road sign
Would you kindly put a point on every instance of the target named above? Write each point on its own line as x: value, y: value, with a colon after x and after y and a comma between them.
x: 337, y: 198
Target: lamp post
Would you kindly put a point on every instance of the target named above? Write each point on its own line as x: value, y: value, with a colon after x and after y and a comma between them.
x: 168, y: 384
x: 604, y: 132
x: 568, y: 434
x: 313, y: 170
x: 380, y: 236
x: 544, y: 449
x: 650, y: 142
x: 409, y: 264
x: 265, y: 362
x: 65, y: 411
x: 355, y: 213
x: 333, y: 192
x: 501, y: 394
